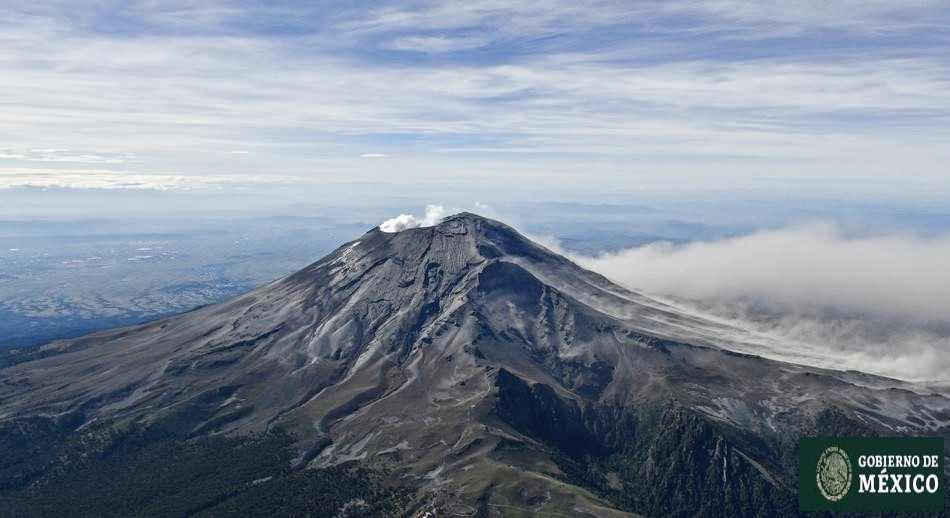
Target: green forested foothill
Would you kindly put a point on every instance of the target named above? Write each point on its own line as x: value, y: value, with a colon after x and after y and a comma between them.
x: 139, y: 471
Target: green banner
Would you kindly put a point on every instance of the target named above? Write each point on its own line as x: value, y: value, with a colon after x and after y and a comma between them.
x: 871, y: 474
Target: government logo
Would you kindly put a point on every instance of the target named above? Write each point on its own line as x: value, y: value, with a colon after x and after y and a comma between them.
x: 833, y: 474
x: 871, y: 474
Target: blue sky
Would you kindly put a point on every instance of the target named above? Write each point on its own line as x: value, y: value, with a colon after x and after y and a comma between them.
x: 809, y: 95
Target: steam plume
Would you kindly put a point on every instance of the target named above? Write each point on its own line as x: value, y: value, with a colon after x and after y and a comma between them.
x: 433, y: 215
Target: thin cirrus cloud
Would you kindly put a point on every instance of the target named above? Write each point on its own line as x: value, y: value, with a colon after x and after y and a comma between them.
x: 65, y: 155
x: 572, y: 90
x: 438, y: 44
x: 105, y: 179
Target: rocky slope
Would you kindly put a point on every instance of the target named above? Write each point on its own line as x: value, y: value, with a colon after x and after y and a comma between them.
x: 488, y: 373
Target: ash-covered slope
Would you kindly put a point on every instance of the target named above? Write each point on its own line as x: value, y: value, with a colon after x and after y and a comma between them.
x: 484, y: 371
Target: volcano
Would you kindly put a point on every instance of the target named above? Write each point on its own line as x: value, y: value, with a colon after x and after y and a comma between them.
x: 471, y: 370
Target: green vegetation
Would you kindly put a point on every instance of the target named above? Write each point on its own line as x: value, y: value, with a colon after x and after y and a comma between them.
x: 139, y: 471
x: 324, y: 492
x: 29, y: 446
x: 659, y: 462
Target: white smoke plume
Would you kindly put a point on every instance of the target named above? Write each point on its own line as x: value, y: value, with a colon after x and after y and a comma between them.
x: 434, y: 214
x: 878, y: 304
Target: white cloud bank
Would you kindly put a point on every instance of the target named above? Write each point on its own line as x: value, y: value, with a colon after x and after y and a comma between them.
x: 809, y: 267
x: 878, y: 304
x: 66, y: 155
x: 434, y: 214
x: 104, y: 179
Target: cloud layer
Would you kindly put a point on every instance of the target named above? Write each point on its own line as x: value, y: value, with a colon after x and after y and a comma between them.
x: 616, y: 91
x: 808, y: 267
x: 878, y: 304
